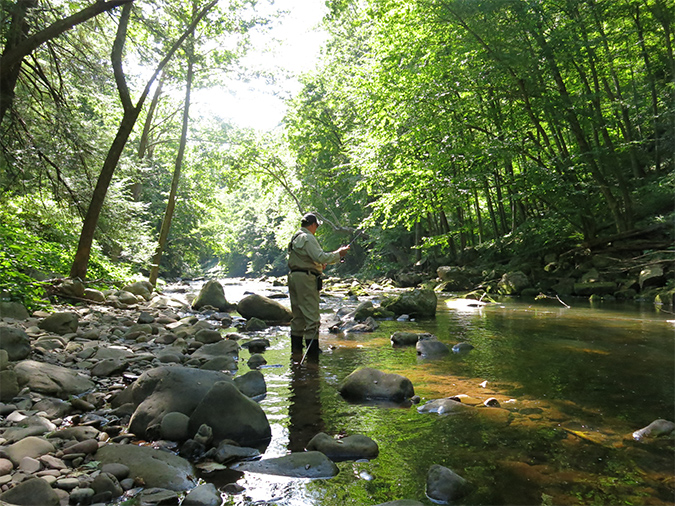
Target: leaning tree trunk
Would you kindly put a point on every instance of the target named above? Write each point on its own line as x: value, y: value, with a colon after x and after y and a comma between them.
x: 81, y: 260
x: 171, y: 204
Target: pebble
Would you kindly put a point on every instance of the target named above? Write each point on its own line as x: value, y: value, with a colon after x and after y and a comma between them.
x: 67, y: 483
x: 6, y: 467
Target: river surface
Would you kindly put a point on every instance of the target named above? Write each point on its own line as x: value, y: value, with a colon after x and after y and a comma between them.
x: 573, y: 384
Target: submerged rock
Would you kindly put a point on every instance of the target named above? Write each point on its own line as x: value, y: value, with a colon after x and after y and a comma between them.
x: 447, y: 406
x: 431, y: 348
x: 658, y: 428
x: 444, y: 485
x: 311, y: 464
x: 353, y: 447
x: 370, y: 384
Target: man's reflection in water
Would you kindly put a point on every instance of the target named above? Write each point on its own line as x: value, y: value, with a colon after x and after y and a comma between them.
x: 305, y: 401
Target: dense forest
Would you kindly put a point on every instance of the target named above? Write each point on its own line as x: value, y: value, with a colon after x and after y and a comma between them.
x: 441, y: 132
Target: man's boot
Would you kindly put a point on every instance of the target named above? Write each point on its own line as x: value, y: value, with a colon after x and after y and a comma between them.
x: 296, y: 344
x: 313, y: 349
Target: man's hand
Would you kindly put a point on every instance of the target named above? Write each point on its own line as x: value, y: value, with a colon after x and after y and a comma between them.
x: 342, y: 250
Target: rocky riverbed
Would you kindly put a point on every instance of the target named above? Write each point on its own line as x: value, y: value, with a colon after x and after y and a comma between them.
x: 129, y: 394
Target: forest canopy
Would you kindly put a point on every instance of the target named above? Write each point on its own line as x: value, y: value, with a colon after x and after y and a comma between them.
x: 439, y: 130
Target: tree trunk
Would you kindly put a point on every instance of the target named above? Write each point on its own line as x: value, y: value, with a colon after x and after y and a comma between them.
x: 81, y: 260
x: 171, y: 204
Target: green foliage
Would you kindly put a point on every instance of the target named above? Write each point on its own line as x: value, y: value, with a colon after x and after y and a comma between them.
x: 37, y: 244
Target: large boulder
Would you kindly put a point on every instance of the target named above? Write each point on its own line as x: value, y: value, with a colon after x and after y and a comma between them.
x: 51, y: 379
x: 453, y: 278
x: 231, y: 415
x: 512, y: 283
x: 60, y: 323
x: 15, y: 342
x: 418, y: 302
x: 431, y: 348
x: 264, y: 308
x: 353, y: 447
x: 370, y: 384
x: 154, y: 468
x: 142, y: 288
x: 32, y: 492
x: 212, y: 294
x: 168, y: 389
x: 652, y: 276
x: 13, y: 310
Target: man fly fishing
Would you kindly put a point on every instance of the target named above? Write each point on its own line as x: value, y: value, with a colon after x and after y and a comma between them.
x: 306, y: 262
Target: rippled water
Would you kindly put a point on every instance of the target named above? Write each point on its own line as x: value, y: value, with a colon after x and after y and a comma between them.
x: 573, y: 384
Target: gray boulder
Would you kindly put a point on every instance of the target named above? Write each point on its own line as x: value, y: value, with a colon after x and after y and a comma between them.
x: 652, y: 276
x: 93, y: 294
x: 403, y: 338
x: 167, y: 389
x: 418, y: 302
x: 60, y: 323
x: 453, y: 279
x: 203, y: 495
x: 175, y: 426
x: 211, y: 294
x: 30, y: 446
x: 226, y: 347
x: 431, y: 348
x: 231, y: 415
x: 512, y: 283
x: 444, y: 485
x: 51, y: 379
x: 32, y: 492
x: 15, y: 342
x: 370, y: 384
x: 226, y: 453
x: 353, y: 447
x: 208, y: 336
x: 72, y: 287
x: 13, y: 310
x: 264, y: 308
x: 156, y: 468
x: 251, y: 384
x: 296, y: 465
x: 142, y: 288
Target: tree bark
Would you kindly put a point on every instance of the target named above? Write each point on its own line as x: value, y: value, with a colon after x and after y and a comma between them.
x: 81, y: 260
x: 171, y: 204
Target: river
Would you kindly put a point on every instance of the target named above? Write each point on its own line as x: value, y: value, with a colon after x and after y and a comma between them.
x: 575, y: 383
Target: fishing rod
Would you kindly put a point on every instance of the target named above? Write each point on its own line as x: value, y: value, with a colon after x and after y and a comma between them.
x: 351, y: 242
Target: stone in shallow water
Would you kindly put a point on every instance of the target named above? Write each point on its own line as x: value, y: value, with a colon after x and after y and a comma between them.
x: 313, y: 465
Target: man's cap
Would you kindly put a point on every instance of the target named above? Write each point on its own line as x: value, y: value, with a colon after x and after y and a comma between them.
x: 310, y: 219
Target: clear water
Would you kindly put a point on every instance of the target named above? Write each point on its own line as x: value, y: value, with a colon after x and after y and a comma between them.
x: 573, y: 385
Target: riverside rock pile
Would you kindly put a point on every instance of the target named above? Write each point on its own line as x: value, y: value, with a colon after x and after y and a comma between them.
x: 80, y: 384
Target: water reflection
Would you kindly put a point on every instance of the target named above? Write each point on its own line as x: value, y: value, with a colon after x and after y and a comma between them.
x: 304, y: 403
x: 575, y: 382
